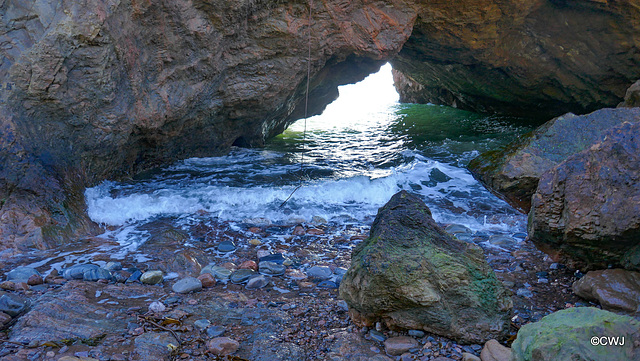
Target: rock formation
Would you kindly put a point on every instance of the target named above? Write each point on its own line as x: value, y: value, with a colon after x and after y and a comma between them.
x: 616, y: 290
x: 532, y: 58
x: 514, y: 171
x: 103, y: 89
x: 586, y: 210
x: 411, y: 274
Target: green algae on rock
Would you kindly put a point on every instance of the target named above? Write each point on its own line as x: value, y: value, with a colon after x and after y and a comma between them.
x: 582, y: 333
x: 411, y: 274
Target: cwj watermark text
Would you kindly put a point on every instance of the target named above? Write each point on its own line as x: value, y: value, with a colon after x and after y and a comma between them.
x: 607, y: 341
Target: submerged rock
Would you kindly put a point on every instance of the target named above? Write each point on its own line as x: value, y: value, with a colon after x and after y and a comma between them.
x: 514, y: 172
x: 581, y: 333
x: 586, y: 211
x: 615, y: 289
x: 411, y: 274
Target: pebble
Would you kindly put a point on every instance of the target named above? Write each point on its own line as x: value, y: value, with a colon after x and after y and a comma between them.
x: 299, y: 231
x: 469, y: 357
x: 202, y: 324
x: 255, y: 242
x: 272, y: 257
x: 4, y: 318
x: 396, y: 346
x: 377, y: 336
x: 8, y: 285
x: 271, y: 268
x: 12, y: 305
x: 328, y: 284
x: 315, y: 232
x: 416, y: 333
x: 96, y: 274
x: 241, y: 275
x: 157, y: 307
x: 76, y: 272
x: 295, y: 274
x: 151, y: 277
x: 249, y: 265
x: 500, y: 240
x: 186, y: 285
x: 218, y: 272
x: 226, y: 247
x: 457, y: 228
x: 320, y: 272
x: 207, y: 279
x: 113, y: 266
x: 257, y: 281
x: 135, y: 276
x: 317, y: 220
x: 22, y: 274
x: 222, y: 346
x: 215, y: 331
x: 523, y: 292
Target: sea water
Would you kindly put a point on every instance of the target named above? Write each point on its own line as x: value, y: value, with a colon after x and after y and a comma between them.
x: 341, y: 165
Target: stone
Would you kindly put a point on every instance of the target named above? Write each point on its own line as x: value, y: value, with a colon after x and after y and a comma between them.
x: 95, y: 274
x: 615, y: 290
x: 76, y: 272
x: 328, y: 284
x: 377, y: 336
x: 35, y: 280
x: 157, y: 307
x: 295, y: 274
x: 416, y: 333
x: 218, y: 272
x: 579, y: 330
x: 113, y: 266
x: 271, y: 268
x: 152, y: 277
x: 586, y: 211
x: 12, y: 304
x: 241, y: 275
x: 22, y: 274
x: 632, y: 96
x: 411, y: 274
x: 186, y: 285
x: 207, y: 280
x: 258, y: 281
x: 514, y: 171
x: 299, y: 230
x: 155, y: 346
x: 494, y: 351
x: 4, y: 318
x: 202, y: 324
x: 317, y: 220
x: 222, y: 346
x: 320, y: 272
x: 272, y: 257
x: 226, y: 247
x: 8, y: 285
x: 255, y: 242
x: 252, y: 265
x: 502, y: 241
x: 134, y: 277
x: 74, y: 358
x: 215, y: 331
x: 396, y: 346
x: 470, y: 357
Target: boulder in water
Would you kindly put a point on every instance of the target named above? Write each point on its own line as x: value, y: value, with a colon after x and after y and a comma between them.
x: 411, y: 274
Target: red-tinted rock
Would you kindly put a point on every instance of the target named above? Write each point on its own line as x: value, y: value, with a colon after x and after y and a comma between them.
x: 35, y: 280
x: 586, y: 211
x: 222, y: 346
x: 252, y: 265
x: 396, y: 346
x: 299, y: 231
x: 207, y: 279
x: 616, y: 290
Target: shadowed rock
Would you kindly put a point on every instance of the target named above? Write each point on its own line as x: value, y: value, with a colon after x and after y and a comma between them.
x: 411, y: 274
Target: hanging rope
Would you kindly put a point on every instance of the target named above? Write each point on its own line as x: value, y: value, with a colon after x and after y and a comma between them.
x: 306, y: 107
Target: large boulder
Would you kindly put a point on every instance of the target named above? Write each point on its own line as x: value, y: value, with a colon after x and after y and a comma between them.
x: 514, y: 171
x: 582, y: 333
x: 411, y: 274
x: 586, y: 210
x: 616, y: 290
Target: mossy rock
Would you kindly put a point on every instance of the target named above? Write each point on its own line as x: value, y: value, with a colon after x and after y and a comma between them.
x: 411, y: 274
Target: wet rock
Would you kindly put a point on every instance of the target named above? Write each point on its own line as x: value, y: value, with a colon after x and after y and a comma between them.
x: 586, y: 211
x: 502, y: 241
x: 252, y: 265
x: 416, y: 333
x: 8, y: 285
x: 113, y: 266
x: 377, y: 336
x: 155, y: 346
x: 574, y: 329
x: 295, y: 274
x: 207, y: 279
x: 315, y: 232
x: 320, y: 272
x: 95, y: 274
x: 202, y: 324
x: 411, y: 274
x: 328, y: 284
x: 396, y: 346
x: 226, y: 247
x: 77, y: 272
x: 271, y: 268
x: 256, y: 282
x: 35, y: 280
x: 218, y: 272
x: 77, y: 358
x: 456, y: 229
x: 215, y: 331
x: 273, y: 257
x: 4, y: 318
x: 514, y: 172
x: 299, y: 231
x: 255, y: 242
x: 317, y: 220
x: 222, y: 346
x: 615, y: 289
x: 12, y: 304
x: 22, y: 274
x: 134, y: 277
x: 152, y: 277
x: 186, y: 285
x: 157, y: 307
x: 241, y: 275
x: 632, y: 97
x: 494, y: 351
x: 470, y: 357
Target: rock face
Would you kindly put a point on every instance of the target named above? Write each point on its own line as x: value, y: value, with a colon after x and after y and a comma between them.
x: 586, y: 211
x: 411, y: 274
x: 521, y: 57
x: 104, y: 89
x: 574, y: 329
x: 514, y: 172
x: 616, y: 290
